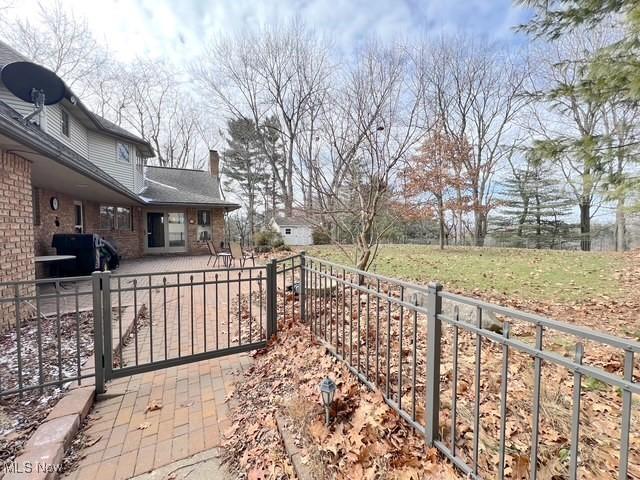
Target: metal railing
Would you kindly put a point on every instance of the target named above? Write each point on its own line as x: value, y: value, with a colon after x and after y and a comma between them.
x: 47, y: 339
x: 442, y: 362
x: 167, y: 319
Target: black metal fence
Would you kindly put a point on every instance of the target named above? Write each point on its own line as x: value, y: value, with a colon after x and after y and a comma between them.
x: 494, y: 389
x: 48, y: 336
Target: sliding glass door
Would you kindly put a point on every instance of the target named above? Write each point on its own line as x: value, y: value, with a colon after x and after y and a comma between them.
x: 166, y: 232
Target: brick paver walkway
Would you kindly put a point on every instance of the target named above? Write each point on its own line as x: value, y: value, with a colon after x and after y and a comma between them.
x: 193, y: 418
x: 194, y: 413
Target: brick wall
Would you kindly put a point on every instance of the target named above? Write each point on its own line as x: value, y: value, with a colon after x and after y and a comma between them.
x: 16, y: 230
x: 129, y: 242
x: 194, y: 245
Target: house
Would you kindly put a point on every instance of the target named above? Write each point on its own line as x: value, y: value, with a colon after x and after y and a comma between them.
x: 71, y: 170
x: 294, y: 230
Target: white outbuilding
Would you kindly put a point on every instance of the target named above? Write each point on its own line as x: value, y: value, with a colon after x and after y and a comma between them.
x: 294, y: 230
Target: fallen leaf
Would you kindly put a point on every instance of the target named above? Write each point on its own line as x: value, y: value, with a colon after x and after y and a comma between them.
x: 153, y: 406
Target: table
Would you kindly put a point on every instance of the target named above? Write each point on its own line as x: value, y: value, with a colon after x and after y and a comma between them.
x: 53, y: 258
x: 226, y: 258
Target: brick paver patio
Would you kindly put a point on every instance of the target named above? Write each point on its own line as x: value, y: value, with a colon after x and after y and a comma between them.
x: 131, y: 440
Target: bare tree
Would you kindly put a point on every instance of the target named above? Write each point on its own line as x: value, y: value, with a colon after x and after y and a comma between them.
x: 149, y: 97
x: 373, y: 122
x: 477, y: 91
x: 59, y: 40
x: 272, y: 77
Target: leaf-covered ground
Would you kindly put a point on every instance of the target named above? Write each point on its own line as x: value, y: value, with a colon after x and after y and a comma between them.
x: 616, y: 311
x: 366, y: 439
x: 547, y: 275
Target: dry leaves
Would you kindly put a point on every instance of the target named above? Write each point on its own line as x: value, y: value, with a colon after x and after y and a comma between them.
x: 153, y: 406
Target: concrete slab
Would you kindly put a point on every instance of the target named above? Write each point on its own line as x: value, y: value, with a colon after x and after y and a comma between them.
x: 77, y: 402
x: 59, y: 430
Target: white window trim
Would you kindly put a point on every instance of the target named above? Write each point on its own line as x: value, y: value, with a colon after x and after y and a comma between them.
x: 127, y: 162
x: 78, y: 228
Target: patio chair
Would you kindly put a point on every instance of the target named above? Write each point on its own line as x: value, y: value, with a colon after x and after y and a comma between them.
x: 242, y: 256
x: 217, y: 254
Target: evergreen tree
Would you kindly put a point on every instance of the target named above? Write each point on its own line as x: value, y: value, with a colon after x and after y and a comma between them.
x: 534, y: 206
x: 246, y: 166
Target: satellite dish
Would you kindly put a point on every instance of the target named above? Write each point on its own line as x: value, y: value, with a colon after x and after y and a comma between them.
x: 33, y: 83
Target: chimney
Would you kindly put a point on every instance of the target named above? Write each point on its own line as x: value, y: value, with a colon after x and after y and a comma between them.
x: 214, y: 163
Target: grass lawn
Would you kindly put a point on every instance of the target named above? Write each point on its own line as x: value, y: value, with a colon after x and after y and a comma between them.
x: 548, y: 275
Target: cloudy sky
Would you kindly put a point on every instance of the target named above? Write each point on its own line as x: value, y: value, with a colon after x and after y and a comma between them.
x: 178, y: 28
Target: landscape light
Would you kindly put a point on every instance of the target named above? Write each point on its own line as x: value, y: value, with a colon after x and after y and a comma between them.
x: 327, y: 390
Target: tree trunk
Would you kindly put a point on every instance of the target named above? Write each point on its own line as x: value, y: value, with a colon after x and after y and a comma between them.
x: 441, y: 221
x: 621, y: 227
x: 585, y: 226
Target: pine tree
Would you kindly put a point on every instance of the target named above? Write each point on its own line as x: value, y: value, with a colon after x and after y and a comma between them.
x: 246, y: 166
x: 533, y: 206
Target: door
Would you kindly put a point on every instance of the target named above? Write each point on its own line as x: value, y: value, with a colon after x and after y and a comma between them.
x: 166, y: 232
x: 155, y: 229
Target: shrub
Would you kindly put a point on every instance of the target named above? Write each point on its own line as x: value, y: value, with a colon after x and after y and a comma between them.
x: 320, y: 237
x: 263, y: 248
x: 268, y: 238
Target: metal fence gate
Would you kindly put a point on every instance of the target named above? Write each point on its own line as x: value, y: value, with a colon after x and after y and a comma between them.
x: 150, y: 321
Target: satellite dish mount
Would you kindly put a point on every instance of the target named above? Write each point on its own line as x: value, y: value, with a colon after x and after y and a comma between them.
x: 38, y: 99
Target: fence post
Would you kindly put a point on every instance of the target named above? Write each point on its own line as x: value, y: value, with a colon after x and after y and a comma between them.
x: 107, y: 324
x: 303, y: 286
x: 434, y: 334
x: 272, y: 306
x: 98, y: 346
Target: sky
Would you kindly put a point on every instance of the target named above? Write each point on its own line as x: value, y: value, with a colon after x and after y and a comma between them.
x: 178, y: 29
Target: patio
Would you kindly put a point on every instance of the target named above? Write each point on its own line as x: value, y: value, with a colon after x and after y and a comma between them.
x: 152, y: 419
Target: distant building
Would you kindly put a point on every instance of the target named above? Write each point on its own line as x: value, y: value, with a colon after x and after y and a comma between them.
x: 294, y: 230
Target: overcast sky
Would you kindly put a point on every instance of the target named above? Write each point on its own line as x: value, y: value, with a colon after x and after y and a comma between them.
x: 177, y: 28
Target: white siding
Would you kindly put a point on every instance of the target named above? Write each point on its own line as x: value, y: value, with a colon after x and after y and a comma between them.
x: 102, y: 153
x: 77, y: 139
x: 52, y: 117
x: 14, y: 102
x: 298, y: 235
x: 138, y: 172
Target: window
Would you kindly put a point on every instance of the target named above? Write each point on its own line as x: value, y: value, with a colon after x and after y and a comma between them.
x: 65, y: 123
x: 107, y: 218
x: 115, y: 218
x: 79, y: 220
x: 204, y: 217
x: 123, y: 218
x: 204, y: 225
x: 287, y: 231
x: 122, y: 152
x: 35, y: 204
x: 175, y: 227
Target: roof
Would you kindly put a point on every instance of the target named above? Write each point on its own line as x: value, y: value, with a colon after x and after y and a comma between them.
x: 31, y: 135
x: 179, y: 186
x: 292, y: 222
x: 9, y: 55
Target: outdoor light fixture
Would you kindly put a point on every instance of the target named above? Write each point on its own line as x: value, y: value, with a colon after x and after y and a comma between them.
x: 327, y: 390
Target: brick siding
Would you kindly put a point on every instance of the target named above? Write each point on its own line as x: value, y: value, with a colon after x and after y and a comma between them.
x: 128, y: 242
x: 16, y: 230
x: 194, y: 245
